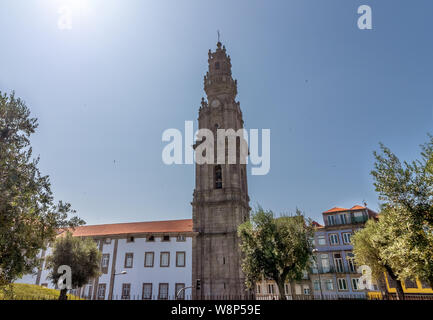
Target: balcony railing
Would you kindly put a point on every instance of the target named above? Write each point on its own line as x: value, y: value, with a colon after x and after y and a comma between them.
x: 349, y: 220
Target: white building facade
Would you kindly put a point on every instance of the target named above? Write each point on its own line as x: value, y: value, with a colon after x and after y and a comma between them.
x: 143, y: 260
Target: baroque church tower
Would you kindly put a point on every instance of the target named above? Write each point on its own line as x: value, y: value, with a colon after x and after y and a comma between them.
x: 221, y: 201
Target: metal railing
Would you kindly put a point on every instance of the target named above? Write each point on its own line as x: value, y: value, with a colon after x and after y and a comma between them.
x: 257, y: 297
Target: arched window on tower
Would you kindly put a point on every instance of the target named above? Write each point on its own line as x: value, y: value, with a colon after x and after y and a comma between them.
x: 217, y: 65
x: 218, y: 177
x: 242, y: 181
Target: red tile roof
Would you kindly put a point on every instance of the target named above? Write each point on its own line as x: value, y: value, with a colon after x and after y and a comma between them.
x: 168, y: 226
x: 316, y: 225
x: 357, y: 207
x: 337, y: 209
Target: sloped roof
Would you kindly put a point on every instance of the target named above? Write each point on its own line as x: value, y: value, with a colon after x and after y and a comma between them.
x: 317, y: 225
x: 337, y: 209
x: 357, y: 207
x: 168, y: 226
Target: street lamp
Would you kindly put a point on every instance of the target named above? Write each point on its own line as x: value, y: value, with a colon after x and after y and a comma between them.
x: 112, y: 285
x: 183, y: 289
x: 318, y: 272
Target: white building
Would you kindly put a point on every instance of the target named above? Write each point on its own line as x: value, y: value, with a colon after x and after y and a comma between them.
x: 156, y: 257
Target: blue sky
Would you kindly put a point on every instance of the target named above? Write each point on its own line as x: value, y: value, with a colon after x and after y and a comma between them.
x: 105, y: 90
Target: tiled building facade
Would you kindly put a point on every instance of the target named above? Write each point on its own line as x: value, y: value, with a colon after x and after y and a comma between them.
x: 334, y: 274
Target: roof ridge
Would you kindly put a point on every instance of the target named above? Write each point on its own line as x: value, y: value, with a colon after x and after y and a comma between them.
x: 111, y: 224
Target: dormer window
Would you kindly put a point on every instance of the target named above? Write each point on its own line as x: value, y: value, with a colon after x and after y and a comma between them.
x: 217, y: 65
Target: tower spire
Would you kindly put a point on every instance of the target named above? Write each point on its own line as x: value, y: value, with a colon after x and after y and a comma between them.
x: 218, y: 80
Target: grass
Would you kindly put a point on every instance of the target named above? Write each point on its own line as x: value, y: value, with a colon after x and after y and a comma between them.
x: 23, y: 291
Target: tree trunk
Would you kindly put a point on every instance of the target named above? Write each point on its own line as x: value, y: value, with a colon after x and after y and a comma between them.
x: 63, y: 295
x: 280, y: 284
x: 398, y: 287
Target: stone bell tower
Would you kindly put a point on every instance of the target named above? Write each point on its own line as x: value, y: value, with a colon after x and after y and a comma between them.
x: 221, y: 201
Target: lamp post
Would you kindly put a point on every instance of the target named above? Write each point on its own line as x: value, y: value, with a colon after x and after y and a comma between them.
x: 112, y: 285
x: 315, y: 251
x: 183, y: 289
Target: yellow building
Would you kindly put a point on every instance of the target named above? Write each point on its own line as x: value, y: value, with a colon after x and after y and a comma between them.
x: 415, y: 289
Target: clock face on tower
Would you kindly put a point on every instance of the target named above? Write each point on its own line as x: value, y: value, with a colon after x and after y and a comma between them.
x: 215, y: 103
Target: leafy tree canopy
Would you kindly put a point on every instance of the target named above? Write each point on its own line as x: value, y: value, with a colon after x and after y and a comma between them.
x: 29, y: 217
x: 275, y: 248
x: 80, y: 254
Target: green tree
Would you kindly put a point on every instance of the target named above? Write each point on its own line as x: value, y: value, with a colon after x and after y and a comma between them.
x: 29, y: 218
x: 81, y: 255
x: 406, y: 189
x: 370, y: 247
x: 410, y: 252
x: 275, y: 248
x: 406, y: 185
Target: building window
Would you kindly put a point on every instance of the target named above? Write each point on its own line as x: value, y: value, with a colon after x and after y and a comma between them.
x: 316, y: 284
x: 149, y: 258
x: 331, y: 220
x: 164, y: 260
x: 180, y: 238
x: 130, y: 239
x: 107, y: 240
x: 351, y: 261
x: 150, y: 239
x: 333, y: 239
x: 147, y: 291
x: 306, y: 290
x: 126, y: 291
x: 338, y: 261
x: 355, y: 283
x: 271, y: 288
x: 342, y: 284
x: 324, y: 259
x: 425, y: 284
x: 321, y: 240
x: 218, y: 177
x: 217, y: 65
x: 101, y: 291
x: 343, y: 219
x: 166, y: 238
x: 257, y: 288
x: 180, y: 259
x: 410, y: 284
x: 105, y: 261
x: 181, y: 295
x: 347, y: 236
x: 329, y: 284
x: 89, y: 292
x: 129, y: 257
x: 163, y: 291
x: 298, y: 289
